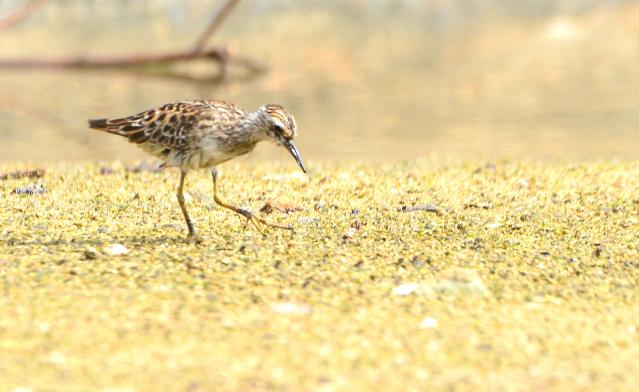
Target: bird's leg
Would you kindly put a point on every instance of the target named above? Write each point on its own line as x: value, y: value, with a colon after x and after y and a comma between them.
x: 180, y: 196
x: 245, y: 213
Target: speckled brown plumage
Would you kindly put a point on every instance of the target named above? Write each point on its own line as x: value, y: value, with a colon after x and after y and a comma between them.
x: 202, y: 134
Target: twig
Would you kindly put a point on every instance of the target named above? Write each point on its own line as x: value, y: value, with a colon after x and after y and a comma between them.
x: 21, y: 13
x: 218, y: 55
x: 214, y: 24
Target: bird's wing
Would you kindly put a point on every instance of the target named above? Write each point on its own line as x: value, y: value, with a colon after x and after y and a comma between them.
x: 173, y: 125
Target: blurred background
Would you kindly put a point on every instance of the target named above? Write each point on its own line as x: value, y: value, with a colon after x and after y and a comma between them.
x: 366, y: 79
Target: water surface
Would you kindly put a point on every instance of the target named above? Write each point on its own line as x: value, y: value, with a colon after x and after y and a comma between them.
x: 371, y: 80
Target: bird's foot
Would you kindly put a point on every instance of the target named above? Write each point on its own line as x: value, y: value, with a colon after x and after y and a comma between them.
x: 251, y: 217
x: 193, y: 238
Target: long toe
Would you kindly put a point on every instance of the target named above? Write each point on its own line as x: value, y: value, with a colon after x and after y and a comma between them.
x: 276, y: 226
x: 255, y: 223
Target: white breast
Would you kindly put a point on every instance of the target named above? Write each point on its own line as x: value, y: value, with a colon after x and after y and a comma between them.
x: 208, y: 155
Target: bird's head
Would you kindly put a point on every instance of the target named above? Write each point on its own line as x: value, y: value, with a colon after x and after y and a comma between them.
x: 280, y: 127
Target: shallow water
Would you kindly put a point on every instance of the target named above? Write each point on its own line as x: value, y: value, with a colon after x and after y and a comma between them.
x: 365, y: 80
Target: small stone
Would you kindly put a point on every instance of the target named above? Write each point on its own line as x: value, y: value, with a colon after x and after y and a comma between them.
x: 32, y: 173
x: 417, y: 262
x: 90, y: 254
x: 271, y: 206
x: 305, y: 220
x: 405, y: 289
x: 117, y: 250
x: 291, y: 308
x: 349, y: 234
x: 490, y: 166
x: 494, y: 225
x: 481, y: 205
x: 421, y: 207
x: 461, y: 281
x: 144, y: 167
x: 105, y: 171
x: 455, y: 282
x: 32, y: 189
x: 428, y: 322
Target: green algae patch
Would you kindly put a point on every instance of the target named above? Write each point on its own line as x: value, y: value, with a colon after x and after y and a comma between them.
x: 414, y: 276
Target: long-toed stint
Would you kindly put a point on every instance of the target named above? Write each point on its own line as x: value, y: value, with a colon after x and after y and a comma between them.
x: 202, y: 134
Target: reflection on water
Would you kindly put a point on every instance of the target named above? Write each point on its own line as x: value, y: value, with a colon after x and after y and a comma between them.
x: 365, y: 80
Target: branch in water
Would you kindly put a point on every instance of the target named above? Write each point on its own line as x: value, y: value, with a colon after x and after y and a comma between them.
x: 221, y: 56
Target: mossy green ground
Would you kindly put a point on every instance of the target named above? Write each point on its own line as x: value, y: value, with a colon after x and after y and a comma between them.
x: 332, y: 305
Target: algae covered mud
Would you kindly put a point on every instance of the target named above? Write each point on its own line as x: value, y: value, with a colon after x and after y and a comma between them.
x: 409, y: 276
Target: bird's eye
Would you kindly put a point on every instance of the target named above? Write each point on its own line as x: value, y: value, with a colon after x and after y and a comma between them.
x: 278, y: 129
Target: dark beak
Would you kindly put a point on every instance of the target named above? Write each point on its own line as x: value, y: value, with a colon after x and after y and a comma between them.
x: 291, y: 148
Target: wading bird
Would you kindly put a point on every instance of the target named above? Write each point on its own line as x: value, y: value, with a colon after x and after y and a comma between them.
x: 202, y: 134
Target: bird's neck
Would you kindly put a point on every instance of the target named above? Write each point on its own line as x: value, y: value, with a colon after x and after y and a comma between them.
x: 252, y: 127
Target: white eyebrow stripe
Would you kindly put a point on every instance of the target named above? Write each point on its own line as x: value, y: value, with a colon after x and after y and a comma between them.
x: 279, y: 122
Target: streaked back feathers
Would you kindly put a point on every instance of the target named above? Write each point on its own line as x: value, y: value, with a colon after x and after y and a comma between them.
x: 172, y: 124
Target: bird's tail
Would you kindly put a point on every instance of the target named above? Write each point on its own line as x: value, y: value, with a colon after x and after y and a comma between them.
x: 128, y: 127
x: 99, y: 124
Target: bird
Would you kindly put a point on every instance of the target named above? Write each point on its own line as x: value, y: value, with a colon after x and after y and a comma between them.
x: 202, y: 134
